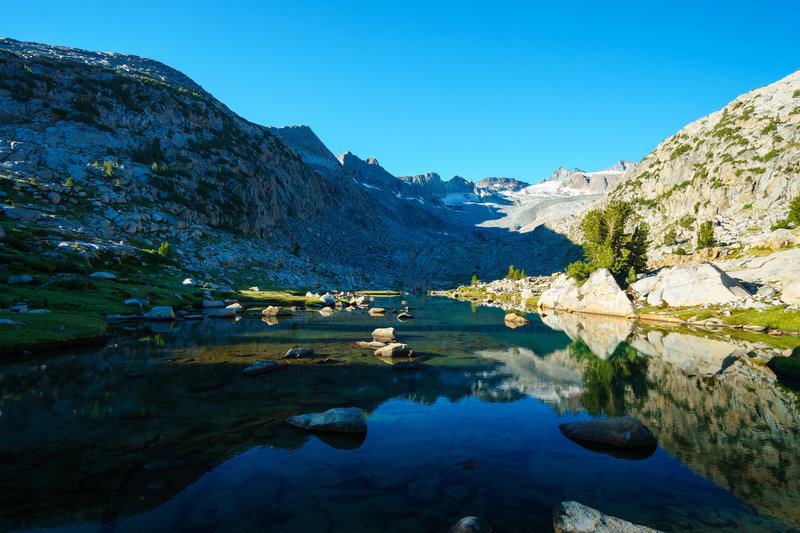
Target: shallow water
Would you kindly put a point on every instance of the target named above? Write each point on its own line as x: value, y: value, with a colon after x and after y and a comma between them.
x: 159, y: 429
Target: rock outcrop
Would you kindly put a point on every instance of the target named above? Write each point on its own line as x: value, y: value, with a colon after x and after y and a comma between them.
x: 621, y: 432
x: 690, y: 284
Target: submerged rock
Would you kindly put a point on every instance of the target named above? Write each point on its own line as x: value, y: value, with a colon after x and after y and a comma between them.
x: 573, y: 517
x: 374, y: 345
x: 394, y: 349
x: 622, y: 432
x: 404, y: 316
x: 260, y: 367
x: 377, y: 311
x: 471, y: 524
x: 299, y: 352
x: 343, y: 420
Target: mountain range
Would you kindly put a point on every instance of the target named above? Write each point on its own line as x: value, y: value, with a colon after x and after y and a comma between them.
x: 119, y: 153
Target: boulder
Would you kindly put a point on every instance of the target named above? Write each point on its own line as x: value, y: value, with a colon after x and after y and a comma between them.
x: 236, y: 306
x: 689, y: 284
x: 225, y: 312
x: 24, y: 278
x: 211, y: 304
x: 260, y: 367
x: 377, y: 311
x: 384, y: 335
x: 188, y: 282
x: 298, y: 352
x: 599, y: 294
x: 394, y: 349
x: 573, y: 517
x: 54, y: 197
x: 103, y: 275
x: 374, y: 345
x: 19, y: 308
x: 791, y: 293
x: 327, y: 299
x: 275, y: 311
x: 404, y: 316
x: 622, y: 432
x: 138, y: 302
x: 515, y: 319
x: 326, y: 311
x: 161, y: 312
x: 471, y: 524
x: 342, y: 420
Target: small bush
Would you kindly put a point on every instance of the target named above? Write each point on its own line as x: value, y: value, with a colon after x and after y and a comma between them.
x: 515, y: 274
x: 705, y: 235
x: 474, y: 279
x: 70, y: 182
x: 686, y: 221
x: 671, y: 237
x: 164, y: 249
x: 680, y: 251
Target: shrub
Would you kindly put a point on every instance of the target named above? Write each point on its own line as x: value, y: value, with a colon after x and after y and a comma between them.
x: 671, y: 237
x: 794, y: 215
x: 164, y: 250
x: 686, y: 221
x: 70, y: 182
x: 474, y: 279
x: 705, y: 235
x: 631, y: 277
x: 607, y: 245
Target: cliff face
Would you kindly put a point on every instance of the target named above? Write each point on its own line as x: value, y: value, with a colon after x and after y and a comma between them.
x: 738, y: 167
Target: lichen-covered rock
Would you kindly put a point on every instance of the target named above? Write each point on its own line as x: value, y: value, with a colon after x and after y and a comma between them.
x: 573, y: 517
x: 342, y: 420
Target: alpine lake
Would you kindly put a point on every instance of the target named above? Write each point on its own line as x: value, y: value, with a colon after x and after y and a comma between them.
x: 159, y: 430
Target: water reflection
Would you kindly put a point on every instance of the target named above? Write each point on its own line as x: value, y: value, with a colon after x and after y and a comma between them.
x: 160, y: 430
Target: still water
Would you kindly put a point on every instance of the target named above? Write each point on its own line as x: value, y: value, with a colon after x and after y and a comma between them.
x: 159, y: 431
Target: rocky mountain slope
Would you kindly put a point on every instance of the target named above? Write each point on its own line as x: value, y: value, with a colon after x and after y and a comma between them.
x: 738, y: 167
x: 117, y: 153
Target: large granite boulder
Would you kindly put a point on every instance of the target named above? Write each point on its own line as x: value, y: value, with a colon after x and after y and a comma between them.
x: 573, y: 517
x: 600, y: 294
x: 791, y: 293
x: 689, y: 284
x: 342, y: 420
x: 276, y: 311
x: 394, y: 349
x: 384, y: 335
x: 621, y: 432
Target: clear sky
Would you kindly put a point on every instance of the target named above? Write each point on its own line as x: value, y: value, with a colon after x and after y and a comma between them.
x: 468, y: 88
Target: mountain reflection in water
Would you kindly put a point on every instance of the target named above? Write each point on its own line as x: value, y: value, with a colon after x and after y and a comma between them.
x: 160, y: 430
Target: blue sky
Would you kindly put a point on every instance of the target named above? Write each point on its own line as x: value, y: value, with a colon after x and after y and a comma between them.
x: 475, y: 89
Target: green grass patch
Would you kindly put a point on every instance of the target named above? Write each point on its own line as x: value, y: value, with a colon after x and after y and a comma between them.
x: 379, y: 293
x: 45, y: 330
x: 280, y: 297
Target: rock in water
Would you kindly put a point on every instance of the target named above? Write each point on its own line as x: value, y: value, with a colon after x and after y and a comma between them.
x: 297, y: 353
x: 514, y: 320
x: 377, y: 311
x: 342, y: 420
x: 384, y: 335
x: 327, y: 299
x: 404, y: 316
x: 374, y: 345
x: 573, y: 517
x: 275, y: 311
x: 471, y: 524
x: 394, y: 349
x: 622, y: 432
x: 260, y: 367
x: 161, y: 312
x: 211, y: 304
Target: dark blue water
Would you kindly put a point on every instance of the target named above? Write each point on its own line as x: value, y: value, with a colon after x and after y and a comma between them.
x: 160, y: 432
